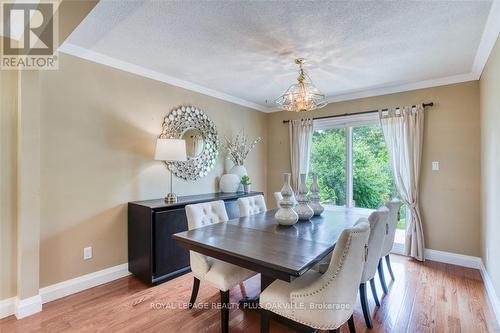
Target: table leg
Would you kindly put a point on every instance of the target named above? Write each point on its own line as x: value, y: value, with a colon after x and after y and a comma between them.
x: 253, y: 302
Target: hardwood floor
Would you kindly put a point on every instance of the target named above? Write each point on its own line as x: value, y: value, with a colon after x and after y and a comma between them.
x: 428, y: 297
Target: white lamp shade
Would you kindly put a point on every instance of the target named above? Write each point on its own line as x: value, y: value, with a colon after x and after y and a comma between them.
x: 170, y: 150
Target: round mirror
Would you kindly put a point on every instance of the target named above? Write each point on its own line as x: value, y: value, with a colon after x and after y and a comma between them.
x: 202, y: 142
x: 194, y: 142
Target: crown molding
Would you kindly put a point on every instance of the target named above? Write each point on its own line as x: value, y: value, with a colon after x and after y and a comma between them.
x: 102, y: 59
x: 402, y: 87
x: 488, y: 40
x: 486, y: 44
x: 385, y: 90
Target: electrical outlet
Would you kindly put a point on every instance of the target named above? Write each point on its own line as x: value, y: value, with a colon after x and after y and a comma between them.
x: 87, y: 253
x: 435, y: 166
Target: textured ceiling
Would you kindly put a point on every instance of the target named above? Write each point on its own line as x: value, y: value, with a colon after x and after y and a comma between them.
x: 246, y: 48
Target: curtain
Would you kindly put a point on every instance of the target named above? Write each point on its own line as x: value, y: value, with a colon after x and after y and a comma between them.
x: 300, y: 131
x: 403, y: 132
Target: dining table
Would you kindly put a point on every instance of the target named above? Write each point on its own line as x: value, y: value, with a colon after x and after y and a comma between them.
x: 258, y: 243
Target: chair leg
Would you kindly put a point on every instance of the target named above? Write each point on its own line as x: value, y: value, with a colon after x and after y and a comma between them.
x: 381, y: 276
x: 350, y: 322
x: 364, y: 305
x: 265, y: 317
x: 224, y: 318
x: 374, y: 292
x: 194, y: 292
x: 388, y: 262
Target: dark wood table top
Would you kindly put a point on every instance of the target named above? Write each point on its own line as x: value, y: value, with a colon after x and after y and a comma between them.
x: 258, y: 243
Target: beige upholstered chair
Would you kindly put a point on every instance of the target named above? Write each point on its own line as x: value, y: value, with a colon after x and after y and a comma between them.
x: 217, y: 273
x: 252, y: 205
x: 377, y: 220
x: 390, y: 233
x: 332, y: 294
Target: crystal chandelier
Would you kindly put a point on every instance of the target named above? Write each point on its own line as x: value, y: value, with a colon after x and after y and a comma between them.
x: 301, y: 96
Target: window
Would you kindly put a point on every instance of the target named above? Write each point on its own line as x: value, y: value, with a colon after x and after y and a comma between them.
x: 350, y: 157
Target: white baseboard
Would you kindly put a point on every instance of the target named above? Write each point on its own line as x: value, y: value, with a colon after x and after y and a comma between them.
x: 28, y: 306
x: 453, y: 258
x: 32, y: 305
x: 492, y: 295
x: 7, y: 307
x: 72, y: 286
x: 445, y: 257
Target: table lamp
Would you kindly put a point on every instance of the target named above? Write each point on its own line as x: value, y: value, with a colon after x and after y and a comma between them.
x: 170, y: 150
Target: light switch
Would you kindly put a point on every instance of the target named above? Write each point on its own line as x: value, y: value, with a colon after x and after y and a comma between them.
x: 435, y: 166
x: 87, y: 253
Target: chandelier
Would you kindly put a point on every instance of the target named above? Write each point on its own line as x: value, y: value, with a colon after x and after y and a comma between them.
x: 301, y: 96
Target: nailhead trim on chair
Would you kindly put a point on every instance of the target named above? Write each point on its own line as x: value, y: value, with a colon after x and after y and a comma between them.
x: 294, y: 297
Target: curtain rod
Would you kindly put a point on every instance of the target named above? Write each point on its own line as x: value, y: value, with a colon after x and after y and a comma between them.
x: 364, y: 112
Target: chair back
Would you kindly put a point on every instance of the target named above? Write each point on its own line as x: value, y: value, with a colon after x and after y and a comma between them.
x: 199, y: 215
x: 278, y: 197
x: 252, y: 205
x: 335, y: 291
x: 392, y: 223
x: 377, y: 221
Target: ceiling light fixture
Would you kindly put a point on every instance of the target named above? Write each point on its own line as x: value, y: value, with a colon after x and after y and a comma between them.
x: 302, y: 96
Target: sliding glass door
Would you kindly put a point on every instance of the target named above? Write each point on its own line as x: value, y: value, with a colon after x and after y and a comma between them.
x: 350, y: 157
x: 328, y: 161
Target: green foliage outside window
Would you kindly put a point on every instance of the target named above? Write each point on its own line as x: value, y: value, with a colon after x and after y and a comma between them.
x: 372, y: 177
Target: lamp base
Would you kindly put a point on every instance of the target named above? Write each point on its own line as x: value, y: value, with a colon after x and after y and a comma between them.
x: 171, y: 198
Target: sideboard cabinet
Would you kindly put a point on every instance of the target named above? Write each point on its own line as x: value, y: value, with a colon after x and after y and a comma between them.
x: 153, y: 256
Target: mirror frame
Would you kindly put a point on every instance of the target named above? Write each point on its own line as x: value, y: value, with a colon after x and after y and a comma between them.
x: 175, y: 123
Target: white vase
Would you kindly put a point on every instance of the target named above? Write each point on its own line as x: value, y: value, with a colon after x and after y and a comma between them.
x: 285, y: 214
x: 303, y: 209
x: 239, y: 170
x: 315, y: 204
x: 229, y: 183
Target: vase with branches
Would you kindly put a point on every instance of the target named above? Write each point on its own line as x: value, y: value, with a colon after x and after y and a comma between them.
x: 238, y: 149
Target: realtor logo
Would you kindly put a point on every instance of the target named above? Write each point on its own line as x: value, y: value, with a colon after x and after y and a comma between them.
x: 31, y: 35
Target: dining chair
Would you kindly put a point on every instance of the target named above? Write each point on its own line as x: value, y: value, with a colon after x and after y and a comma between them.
x: 252, y: 205
x: 217, y: 273
x: 390, y: 232
x: 321, y: 301
x: 377, y: 220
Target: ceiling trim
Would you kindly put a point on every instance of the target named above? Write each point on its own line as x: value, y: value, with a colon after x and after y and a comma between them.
x: 403, y: 87
x: 102, y: 59
x: 396, y: 88
x: 488, y: 40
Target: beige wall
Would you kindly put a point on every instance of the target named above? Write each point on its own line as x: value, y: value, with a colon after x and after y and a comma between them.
x: 8, y: 184
x: 450, y: 197
x: 98, y: 131
x: 490, y: 158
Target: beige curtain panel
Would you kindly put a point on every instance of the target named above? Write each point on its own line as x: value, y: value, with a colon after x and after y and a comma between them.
x: 403, y: 131
x: 300, y: 131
